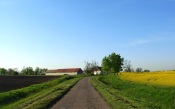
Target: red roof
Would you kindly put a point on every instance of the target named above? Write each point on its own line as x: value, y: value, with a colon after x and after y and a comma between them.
x: 64, y: 70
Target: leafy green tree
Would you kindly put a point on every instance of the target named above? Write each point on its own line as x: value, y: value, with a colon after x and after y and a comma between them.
x: 15, y: 73
x: 113, y: 63
x: 37, y: 71
x: 106, y: 65
x: 10, y: 71
x: 30, y: 71
x: 43, y: 71
x: 139, y: 70
x: 24, y: 71
x: 3, y: 71
x: 27, y: 71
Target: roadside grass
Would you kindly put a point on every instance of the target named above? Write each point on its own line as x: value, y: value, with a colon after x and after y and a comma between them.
x: 123, y: 94
x: 112, y: 96
x: 37, y: 96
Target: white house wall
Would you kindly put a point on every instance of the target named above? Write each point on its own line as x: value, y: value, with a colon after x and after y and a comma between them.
x: 97, y: 72
x: 72, y: 73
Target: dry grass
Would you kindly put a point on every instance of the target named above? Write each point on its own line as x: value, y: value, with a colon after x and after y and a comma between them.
x: 164, y: 78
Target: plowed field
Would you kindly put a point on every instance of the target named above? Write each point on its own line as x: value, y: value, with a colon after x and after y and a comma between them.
x: 8, y: 83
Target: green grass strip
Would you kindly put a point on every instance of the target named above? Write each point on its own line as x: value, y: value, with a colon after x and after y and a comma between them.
x: 113, y: 97
x: 20, y: 94
x: 135, y: 95
x: 47, y: 98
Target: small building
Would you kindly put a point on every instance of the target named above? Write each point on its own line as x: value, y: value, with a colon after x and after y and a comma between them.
x: 98, y: 71
x: 67, y: 71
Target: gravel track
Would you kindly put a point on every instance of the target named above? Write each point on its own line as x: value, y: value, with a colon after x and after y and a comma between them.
x: 82, y: 96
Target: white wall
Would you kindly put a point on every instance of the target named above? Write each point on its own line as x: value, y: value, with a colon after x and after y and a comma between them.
x: 97, y: 72
x: 68, y: 73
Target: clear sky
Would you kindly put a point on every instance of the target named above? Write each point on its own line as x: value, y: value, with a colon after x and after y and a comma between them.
x: 65, y: 33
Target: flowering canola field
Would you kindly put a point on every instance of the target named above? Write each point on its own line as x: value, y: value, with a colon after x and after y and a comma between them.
x: 164, y: 78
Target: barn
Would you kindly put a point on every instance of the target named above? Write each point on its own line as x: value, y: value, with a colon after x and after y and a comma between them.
x: 67, y: 71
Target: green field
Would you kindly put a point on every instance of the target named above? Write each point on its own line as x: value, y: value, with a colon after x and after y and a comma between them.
x: 37, y: 96
x: 123, y: 94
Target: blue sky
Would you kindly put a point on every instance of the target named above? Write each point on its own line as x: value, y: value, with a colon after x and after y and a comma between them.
x: 66, y: 33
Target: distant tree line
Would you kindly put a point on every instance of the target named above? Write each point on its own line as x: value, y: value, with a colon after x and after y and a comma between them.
x: 24, y: 71
x: 9, y: 71
x: 128, y: 68
x: 31, y: 71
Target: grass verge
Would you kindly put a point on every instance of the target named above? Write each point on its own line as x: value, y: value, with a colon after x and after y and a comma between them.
x: 121, y: 94
x: 37, y: 96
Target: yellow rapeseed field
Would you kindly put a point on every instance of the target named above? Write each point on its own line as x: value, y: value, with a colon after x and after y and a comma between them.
x: 165, y: 78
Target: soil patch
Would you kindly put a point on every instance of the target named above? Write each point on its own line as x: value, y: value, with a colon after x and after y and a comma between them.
x: 8, y: 83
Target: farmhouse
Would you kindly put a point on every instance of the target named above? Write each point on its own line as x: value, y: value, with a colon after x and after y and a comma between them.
x: 97, y: 71
x: 68, y: 71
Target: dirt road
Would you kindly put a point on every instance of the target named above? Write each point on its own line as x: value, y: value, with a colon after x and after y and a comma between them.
x: 82, y: 96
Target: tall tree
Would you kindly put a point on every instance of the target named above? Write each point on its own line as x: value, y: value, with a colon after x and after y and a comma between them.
x: 90, y: 67
x: 106, y: 65
x: 37, y: 71
x: 87, y: 68
x: 27, y: 71
x: 113, y: 63
x: 139, y: 70
x: 94, y: 66
x: 10, y: 71
x: 3, y: 71
x: 43, y: 71
x: 127, y: 66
